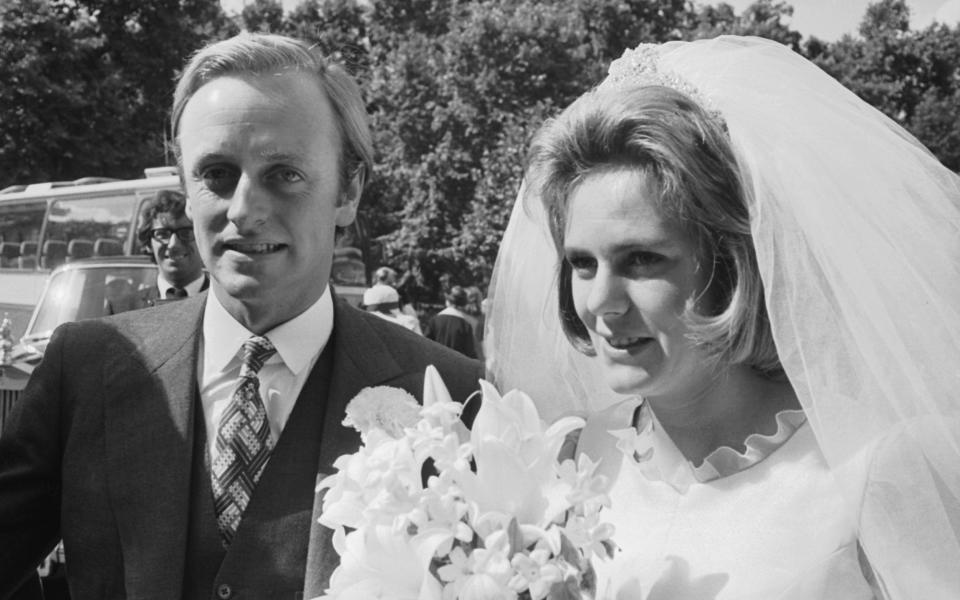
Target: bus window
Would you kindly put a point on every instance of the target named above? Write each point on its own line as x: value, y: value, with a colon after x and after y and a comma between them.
x: 20, y: 225
x: 87, y: 227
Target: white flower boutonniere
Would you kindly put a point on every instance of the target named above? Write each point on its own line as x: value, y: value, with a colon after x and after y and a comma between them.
x: 388, y: 409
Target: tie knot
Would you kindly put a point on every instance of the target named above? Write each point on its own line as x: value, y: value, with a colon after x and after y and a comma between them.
x: 176, y: 292
x: 256, y: 351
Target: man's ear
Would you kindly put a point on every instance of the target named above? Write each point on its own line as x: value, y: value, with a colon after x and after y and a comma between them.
x: 346, y: 209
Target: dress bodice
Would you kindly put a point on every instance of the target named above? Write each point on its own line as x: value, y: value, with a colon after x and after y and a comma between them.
x: 766, y: 523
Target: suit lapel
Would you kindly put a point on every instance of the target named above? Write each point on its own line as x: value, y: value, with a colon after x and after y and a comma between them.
x: 361, y: 358
x: 149, y: 393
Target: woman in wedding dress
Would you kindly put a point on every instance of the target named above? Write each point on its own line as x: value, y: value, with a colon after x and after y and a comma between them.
x: 757, y: 278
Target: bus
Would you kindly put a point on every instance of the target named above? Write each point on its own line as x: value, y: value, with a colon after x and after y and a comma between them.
x: 44, y: 225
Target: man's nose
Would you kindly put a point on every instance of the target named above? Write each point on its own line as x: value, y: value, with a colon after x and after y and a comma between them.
x: 175, y: 241
x: 249, y: 205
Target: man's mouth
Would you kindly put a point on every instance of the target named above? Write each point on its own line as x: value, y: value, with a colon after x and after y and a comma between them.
x: 253, y: 248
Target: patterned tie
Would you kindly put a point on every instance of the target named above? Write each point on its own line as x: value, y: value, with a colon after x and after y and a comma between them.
x: 243, y: 442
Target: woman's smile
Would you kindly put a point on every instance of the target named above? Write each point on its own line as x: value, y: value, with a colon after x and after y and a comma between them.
x: 633, y: 275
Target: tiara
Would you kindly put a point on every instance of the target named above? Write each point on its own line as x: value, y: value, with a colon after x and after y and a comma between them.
x: 640, y: 66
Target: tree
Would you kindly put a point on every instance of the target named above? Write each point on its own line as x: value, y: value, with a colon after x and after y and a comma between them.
x: 45, y: 104
x: 911, y: 76
x: 85, y: 88
x: 445, y: 107
x: 338, y: 27
x: 763, y: 18
x: 264, y: 16
x: 456, y: 91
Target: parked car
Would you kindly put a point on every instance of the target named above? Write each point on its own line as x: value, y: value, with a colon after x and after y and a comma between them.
x: 77, y: 290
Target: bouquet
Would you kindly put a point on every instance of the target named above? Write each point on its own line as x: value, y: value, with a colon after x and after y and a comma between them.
x: 427, y: 510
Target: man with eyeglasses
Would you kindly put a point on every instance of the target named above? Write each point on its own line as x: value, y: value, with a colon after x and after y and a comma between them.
x: 166, y: 234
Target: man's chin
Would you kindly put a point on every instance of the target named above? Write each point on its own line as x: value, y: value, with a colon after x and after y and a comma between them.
x: 240, y: 286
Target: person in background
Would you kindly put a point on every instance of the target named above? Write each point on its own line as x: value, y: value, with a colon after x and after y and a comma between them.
x: 385, y: 275
x: 388, y: 276
x: 384, y: 301
x: 453, y: 326
x: 166, y: 234
x: 176, y: 450
x: 474, y: 308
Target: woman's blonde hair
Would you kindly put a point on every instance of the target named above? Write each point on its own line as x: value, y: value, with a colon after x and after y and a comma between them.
x: 666, y: 136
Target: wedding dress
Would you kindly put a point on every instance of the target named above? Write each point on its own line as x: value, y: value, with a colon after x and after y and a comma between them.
x: 768, y: 523
x: 857, y: 233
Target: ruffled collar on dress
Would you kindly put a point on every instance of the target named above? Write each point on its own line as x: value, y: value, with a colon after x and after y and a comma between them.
x: 631, y: 429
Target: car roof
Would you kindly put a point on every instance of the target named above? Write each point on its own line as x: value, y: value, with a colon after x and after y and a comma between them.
x: 106, y: 263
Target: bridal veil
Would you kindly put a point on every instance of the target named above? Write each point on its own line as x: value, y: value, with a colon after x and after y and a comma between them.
x: 857, y: 233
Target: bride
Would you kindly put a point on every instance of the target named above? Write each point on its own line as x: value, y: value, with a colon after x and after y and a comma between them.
x: 753, y: 295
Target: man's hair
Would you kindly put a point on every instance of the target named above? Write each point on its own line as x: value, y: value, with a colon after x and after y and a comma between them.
x: 456, y: 296
x: 685, y: 151
x: 169, y: 202
x: 257, y: 54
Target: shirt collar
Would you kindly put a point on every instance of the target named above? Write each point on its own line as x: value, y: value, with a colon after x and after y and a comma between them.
x: 297, y: 341
x: 193, y: 288
x: 456, y: 312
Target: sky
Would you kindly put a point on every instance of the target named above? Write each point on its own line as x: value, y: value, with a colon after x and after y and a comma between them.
x: 830, y: 19
x: 826, y: 19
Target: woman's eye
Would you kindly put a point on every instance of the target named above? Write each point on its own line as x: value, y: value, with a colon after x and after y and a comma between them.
x: 220, y: 180
x: 583, y: 265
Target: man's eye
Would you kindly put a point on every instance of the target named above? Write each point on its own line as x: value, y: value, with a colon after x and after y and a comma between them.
x: 220, y: 180
x: 286, y: 176
x: 645, y: 259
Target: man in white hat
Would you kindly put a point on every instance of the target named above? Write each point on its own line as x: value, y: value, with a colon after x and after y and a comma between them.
x: 384, y: 301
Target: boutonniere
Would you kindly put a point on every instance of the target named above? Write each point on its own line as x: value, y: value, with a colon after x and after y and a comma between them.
x: 384, y: 408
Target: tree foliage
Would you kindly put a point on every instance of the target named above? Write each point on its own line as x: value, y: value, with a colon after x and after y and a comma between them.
x: 455, y: 90
x: 912, y: 76
x: 86, y: 83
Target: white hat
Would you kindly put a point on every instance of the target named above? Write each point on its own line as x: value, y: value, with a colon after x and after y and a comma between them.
x: 380, y: 294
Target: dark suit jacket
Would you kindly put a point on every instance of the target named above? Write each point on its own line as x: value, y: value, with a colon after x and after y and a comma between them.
x: 99, y: 449
x: 149, y: 295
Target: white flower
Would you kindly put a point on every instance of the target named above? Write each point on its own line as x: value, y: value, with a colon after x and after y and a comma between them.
x: 637, y: 446
x: 388, y: 409
x: 378, y: 563
x: 498, y: 517
x: 484, y: 574
x: 535, y: 572
x: 375, y: 484
x: 516, y: 459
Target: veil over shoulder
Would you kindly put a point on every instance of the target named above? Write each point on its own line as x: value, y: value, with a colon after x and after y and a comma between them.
x: 857, y: 234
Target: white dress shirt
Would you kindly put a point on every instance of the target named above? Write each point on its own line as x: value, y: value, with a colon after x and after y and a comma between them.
x: 193, y: 288
x: 299, y: 343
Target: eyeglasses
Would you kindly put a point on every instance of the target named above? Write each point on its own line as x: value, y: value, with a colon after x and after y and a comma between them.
x: 163, y: 234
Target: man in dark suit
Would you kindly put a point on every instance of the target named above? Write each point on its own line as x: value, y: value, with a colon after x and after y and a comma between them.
x: 166, y: 235
x: 176, y: 450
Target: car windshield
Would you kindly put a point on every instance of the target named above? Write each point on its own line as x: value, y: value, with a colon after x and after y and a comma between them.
x: 75, y: 294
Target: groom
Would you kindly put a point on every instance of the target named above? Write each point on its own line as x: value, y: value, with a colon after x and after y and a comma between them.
x: 176, y: 450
